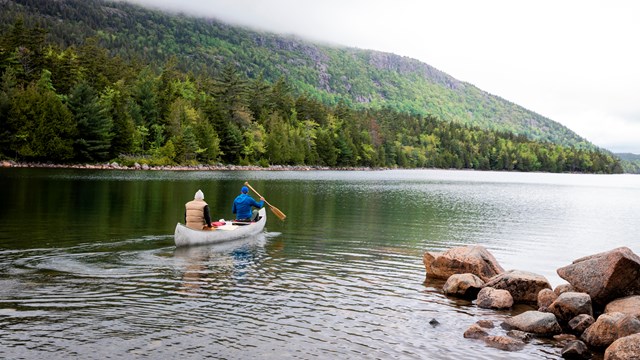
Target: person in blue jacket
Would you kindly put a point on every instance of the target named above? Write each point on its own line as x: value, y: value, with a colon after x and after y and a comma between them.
x: 242, y: 206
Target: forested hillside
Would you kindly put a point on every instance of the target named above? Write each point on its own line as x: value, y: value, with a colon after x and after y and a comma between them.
x: 358, y: 78
x: 78, y: 100
x: 630, y: 162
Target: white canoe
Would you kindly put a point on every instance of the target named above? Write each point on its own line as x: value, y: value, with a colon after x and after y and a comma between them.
x: 184, y: 236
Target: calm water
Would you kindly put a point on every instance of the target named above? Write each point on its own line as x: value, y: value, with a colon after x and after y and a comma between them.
x: 88, y: 268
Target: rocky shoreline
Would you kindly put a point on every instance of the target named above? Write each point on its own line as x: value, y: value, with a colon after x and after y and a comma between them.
x: 200, y: 167
x: 596, y: 312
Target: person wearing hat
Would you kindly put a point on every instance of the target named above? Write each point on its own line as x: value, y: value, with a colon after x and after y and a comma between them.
x: 196, y: 215
x: 242, y: 206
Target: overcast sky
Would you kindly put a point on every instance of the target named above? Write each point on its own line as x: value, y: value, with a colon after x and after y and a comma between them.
x: 575, y: 62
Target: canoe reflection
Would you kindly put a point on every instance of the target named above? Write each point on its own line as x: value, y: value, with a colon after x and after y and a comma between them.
x: 218, y: 266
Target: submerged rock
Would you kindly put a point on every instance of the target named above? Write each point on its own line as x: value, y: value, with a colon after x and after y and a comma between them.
x: 475, y: 331
x: 504, y: 343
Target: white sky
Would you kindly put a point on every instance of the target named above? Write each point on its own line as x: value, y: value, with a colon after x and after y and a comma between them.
x: 576, y: 62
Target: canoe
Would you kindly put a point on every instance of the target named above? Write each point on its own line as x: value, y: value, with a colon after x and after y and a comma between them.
x: 185, y: 236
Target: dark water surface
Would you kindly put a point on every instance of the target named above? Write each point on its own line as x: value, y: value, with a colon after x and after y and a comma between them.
x: 88, y: 269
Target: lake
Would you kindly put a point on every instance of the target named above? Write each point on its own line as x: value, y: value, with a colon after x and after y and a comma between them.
x: 89, y: 270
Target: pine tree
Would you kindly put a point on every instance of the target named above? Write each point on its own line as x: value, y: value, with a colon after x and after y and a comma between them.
x: 93, y: 122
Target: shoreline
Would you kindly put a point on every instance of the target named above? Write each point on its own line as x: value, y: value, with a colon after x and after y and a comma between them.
x: 200, y: 167
x: 221, y: 167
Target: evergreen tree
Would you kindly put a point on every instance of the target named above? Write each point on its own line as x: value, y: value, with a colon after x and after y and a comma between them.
x: 93, y: 123
x: 42, y: 126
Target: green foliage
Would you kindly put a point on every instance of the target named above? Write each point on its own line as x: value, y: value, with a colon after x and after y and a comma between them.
x: 41, y: 126
x: 90, y: 106
x: 361, y: 79
x: 93, y: 123
x: 630, y: 162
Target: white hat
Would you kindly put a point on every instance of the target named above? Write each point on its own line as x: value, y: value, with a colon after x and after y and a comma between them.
x: 199, y: 195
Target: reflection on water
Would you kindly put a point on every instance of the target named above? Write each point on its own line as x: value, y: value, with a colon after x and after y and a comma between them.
x: 206, y: 266
x: 88, y: 268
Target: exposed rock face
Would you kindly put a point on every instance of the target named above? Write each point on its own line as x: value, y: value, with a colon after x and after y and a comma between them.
x: 490, y: 298
x: 536, y: 322
x: 625, y: 348
x: 610, y: 327
x: 472, y: 259
x: 571, y: 304
x: 581, y: 323
x: 463, y: 285
x: 575, y: 350
x: 524, y: 286
x: 605, y: 276
x: 545, y: 298
x: 629, y: 305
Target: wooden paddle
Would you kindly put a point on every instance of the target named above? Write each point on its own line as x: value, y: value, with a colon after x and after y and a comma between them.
x: 274, y: 209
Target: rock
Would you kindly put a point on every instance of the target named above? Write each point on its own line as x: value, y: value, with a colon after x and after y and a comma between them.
x: 580, y: 323
x: 475, y: 331
x: 545, y: 298
x: 504, y: 343
x: 145, y: 167
x: 610, y: 327
x: 536, y: 322
x: 602, y: 332
x: 562, y: 288
x: 605, y: 276
x: 487, y: 324
x: 625, y: 348
x: 490, y: 298
x: 571, y: 304
x: 474, y: 259
x: 463, y: 285
x: 564, y: 338
x: 137, y: 166
x: 5, y: 163
x: 523, y: 286
x: 575, y: 350
x: 434, y: 322
x: 629, y: 305
x: 520, y: 335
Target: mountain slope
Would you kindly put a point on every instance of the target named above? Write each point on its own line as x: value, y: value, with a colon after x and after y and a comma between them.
x: 360, y: 78
x: 630, y: 162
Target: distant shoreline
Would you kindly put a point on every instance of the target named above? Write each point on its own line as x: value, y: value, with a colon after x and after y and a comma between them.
x: 200, y: 167
x: 221, y: 167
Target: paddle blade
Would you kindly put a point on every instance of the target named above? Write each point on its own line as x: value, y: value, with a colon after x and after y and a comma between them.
x: 278, y: 213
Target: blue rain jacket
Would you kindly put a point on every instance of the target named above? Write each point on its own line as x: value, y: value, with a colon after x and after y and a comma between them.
x: 242, y: 206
